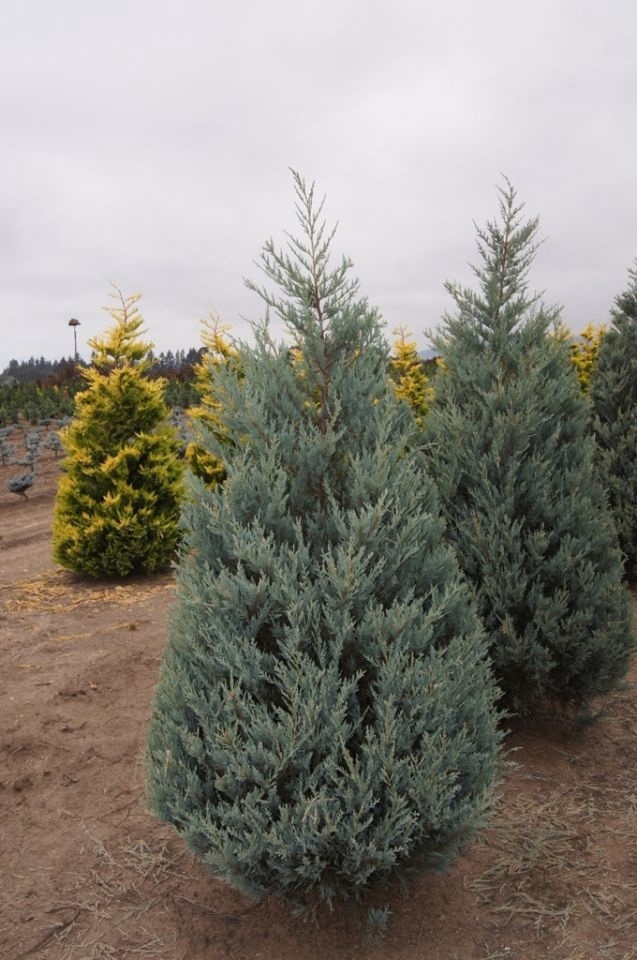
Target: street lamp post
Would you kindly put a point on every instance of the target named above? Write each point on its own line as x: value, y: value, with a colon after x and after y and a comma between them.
x: 75, y: 324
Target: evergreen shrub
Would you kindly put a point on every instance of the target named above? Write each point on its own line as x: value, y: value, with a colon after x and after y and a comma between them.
x: 204, y: 416
x: 614, y: 402
x: 118, y: 500
x: 324, y: 719
x: 511, y: 452
x: 585, y: 351
x: 408, y: 376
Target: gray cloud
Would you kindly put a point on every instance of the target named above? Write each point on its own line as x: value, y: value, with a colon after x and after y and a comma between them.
x: 149, y: 145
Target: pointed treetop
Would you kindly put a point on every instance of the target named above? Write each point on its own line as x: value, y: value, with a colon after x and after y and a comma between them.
x: 331, y: 326
x: 120, y: 345
x: 625, y: 309
x: 584, y: 351
x: 313, y: 293
x: 507, y: 247
x: 213, y: 337
x: 408, y: 376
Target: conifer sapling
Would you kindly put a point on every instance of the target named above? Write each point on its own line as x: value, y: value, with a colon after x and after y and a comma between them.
x: 585, y: 351
x: 408, y: 376
x: 118, y: 500
x: 324, y: 717
x: 614, y: 401
x: 512, y: 456
x: 204, y: 416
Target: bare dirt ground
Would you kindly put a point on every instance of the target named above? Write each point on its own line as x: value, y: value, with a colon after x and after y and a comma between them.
x: 86, y: 873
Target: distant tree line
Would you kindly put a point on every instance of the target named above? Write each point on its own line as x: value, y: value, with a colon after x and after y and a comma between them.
x: 39, y: 389
x: 39, y: 369
x: 180, y: 363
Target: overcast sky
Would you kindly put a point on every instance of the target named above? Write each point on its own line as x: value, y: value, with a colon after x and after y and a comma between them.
x: 148, y: 144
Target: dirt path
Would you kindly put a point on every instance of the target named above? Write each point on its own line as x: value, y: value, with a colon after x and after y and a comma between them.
x: 88, y: 874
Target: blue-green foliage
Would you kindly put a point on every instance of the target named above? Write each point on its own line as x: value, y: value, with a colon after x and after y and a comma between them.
x: 614, y: 401
x: 513, y: 460
x: 36, y: 403
x: 324, y: 718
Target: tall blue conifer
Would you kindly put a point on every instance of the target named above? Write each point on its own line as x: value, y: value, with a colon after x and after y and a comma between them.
x: 512, y: 457
x: 324, y: 718
x: 614, y: 398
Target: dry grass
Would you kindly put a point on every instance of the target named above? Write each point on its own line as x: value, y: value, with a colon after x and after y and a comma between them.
x: 57, y: 591
x: 104, y: 915
x: 546, y: 872
x: 534, y: 841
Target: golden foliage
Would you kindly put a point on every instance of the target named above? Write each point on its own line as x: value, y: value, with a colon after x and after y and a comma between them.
x: 408, y: 376
x: 584, y: 352
x: 219, y: 352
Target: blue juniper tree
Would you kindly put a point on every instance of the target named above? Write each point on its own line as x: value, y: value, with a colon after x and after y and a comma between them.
x: 324, y: 718
x: 510, y: 450
x: 614, y: 400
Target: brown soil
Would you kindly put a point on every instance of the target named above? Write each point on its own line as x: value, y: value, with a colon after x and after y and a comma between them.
x: 88, y: 874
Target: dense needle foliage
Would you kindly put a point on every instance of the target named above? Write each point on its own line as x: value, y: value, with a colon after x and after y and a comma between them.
x: 118, y: 500
x: 585, y: 351
x: 324, y: 718
x: 408, y: 376
x: 513, y: 460
x: 205, y: 415
x: 614, y: 400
